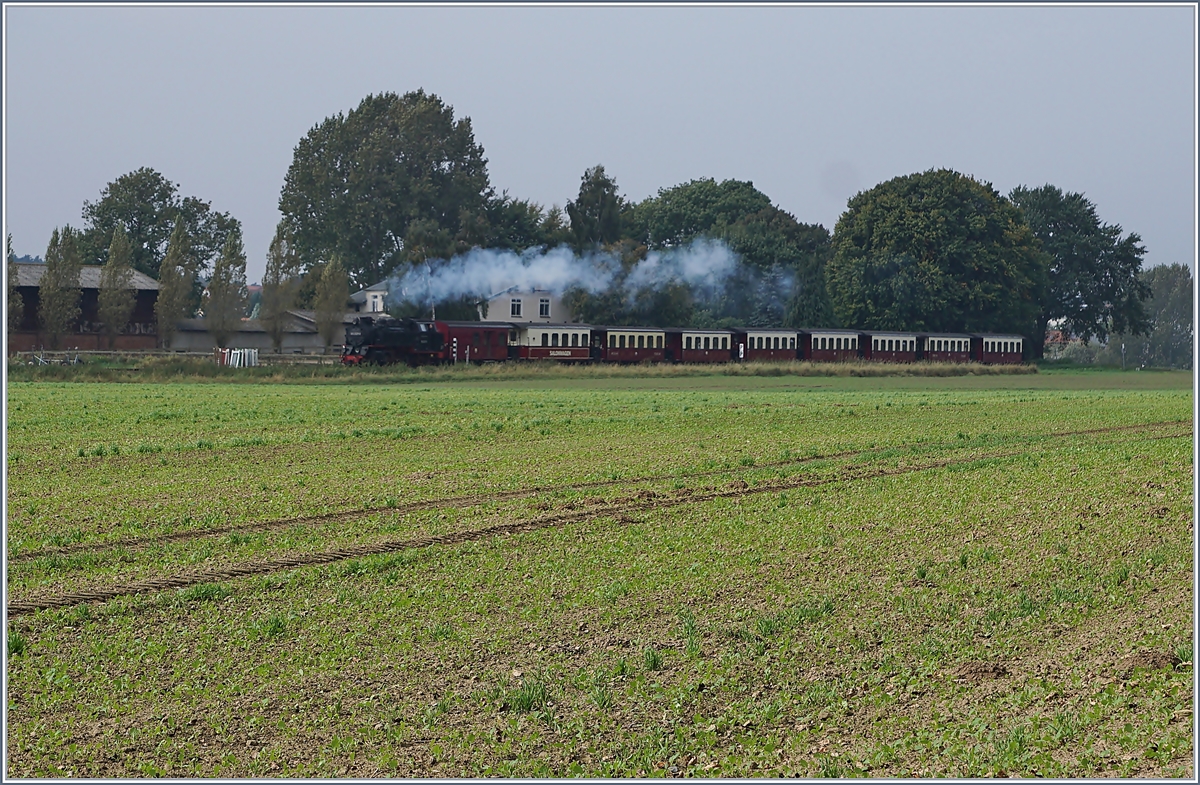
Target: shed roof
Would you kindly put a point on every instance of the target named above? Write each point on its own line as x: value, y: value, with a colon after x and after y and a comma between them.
x: 89, y: 277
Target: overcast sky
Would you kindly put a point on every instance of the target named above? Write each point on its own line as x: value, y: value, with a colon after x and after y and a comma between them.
x: 810, y: 103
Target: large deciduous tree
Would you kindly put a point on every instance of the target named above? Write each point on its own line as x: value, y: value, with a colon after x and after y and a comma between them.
x: 281, y: 284
x: 1167, y: 341
x: 1093, y: 283
x: 596, y: 212
x: 359, y: 181
x: 148, y: 207
x: 935, y: 251
x: 782, y: 277
x: 16, y: 303
x: 59, y: 293
x: 226, y: 299
x: 116, y: 295
x: 174, y: 287
x: 329, y: 303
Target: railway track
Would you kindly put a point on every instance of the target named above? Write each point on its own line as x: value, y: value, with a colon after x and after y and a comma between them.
x: 472, y: 500
x: 645, y: 501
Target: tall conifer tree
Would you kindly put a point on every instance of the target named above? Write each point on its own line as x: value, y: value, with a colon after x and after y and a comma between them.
x: 116, y: 296
x: 226, y: 300
x: 333, y: 290
x: 59, y: 294
x: 16, y: 303
x: 281, y: 284
x: 174, y: 286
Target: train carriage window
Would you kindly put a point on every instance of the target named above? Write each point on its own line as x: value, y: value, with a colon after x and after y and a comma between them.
x: 641, y: 342
x: 707, y: 342
x: 574, y: 339
x: 687, y: 342
x: 775, y: 343
x: 545, y: 339
x: 554, y: 339
x: 621, y: 341
x: 725, y: 342
x: 658, y: 342
x: 612, y: 341
x: 791, y: 343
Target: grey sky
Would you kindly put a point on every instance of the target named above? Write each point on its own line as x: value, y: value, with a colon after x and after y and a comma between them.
x: 810, y: 103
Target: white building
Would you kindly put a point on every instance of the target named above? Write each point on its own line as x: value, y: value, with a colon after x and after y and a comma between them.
x: 516, y: 304
x: 373, y: 299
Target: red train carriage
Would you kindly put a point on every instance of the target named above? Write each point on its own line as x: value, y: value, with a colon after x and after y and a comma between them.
x: 476, y: 342
x: 890, y: 347
x: 700, y: 346
x: 831, y: 345
x: 765, y: 344
x: 630, y: 344
x: 995, y: 349
x: 563, y: 342
x: 946, y: 347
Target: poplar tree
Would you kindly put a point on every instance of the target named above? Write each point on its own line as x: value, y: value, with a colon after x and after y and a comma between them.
x: 333, y: 290
x: 116, y: 295
x: 281, y: 285
x: 16, y: 303
x: 226, y: 299
x: 174, y: 286
x: 59, y: 294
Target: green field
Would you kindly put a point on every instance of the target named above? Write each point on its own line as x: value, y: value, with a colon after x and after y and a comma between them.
x: 602, y: 574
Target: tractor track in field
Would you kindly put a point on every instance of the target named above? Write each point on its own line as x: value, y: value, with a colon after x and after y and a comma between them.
x: 644, y: 501
x: 472, y: 500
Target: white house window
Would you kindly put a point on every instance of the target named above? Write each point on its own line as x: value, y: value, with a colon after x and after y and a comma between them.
x: 515, y: 309
x: 543, y: 308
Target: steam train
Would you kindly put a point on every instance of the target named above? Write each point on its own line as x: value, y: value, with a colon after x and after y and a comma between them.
x: 386, y: 340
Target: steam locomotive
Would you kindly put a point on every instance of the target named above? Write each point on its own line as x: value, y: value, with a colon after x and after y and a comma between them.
x: 386, y: 340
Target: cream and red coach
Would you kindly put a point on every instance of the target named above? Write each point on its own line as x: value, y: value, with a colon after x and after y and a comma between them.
x: 699, y: 346
x: 767, y: 344
x: 946, y: 347
x: 999, y: 349
x: 889, y: 346
x: 831, y: 345
x: 563, y: 342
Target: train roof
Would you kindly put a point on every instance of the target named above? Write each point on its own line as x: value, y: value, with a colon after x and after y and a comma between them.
x: 551, y: 325
x: 828, y: 330
x: 914, y: 333
x: 493, y: 325
x: 698, y: 330
x: 629, y: 329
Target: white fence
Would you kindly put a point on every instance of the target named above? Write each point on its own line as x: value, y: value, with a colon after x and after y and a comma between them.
x: 236, y: 358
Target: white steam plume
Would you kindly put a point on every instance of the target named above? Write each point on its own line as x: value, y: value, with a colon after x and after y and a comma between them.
x: 483, y: 272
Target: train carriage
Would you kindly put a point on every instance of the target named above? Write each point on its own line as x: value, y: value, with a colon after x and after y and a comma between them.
x: 476, y: 342
x: 890, y: 347
x: 630, y: 344
x: 831, y: 345
x: 767, y: 344
x: 700, y: 346
x: 562, y: 342
x: 946, y: 347
x: 998, y: 349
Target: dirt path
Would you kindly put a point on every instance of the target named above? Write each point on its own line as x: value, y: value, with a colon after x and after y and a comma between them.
x: 642, y: 502
x: 472, y: 500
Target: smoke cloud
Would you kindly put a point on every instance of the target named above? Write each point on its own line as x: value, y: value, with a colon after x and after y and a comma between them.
x: 702, y: 264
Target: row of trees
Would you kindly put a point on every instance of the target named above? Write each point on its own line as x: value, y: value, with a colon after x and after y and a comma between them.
x: 399, y: 181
